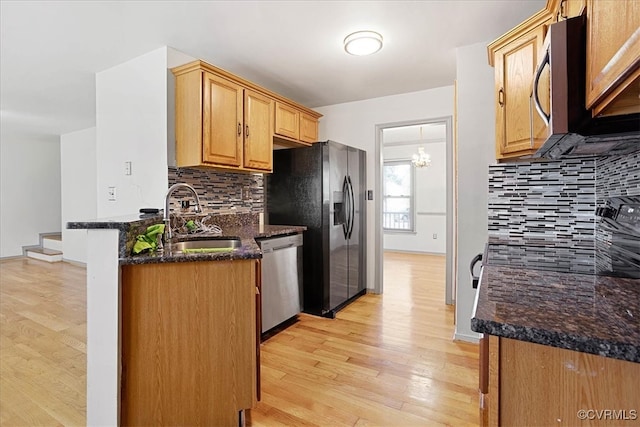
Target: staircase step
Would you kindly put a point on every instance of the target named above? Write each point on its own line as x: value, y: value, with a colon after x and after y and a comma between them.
x: 52, y: 242
x: 44, y: 254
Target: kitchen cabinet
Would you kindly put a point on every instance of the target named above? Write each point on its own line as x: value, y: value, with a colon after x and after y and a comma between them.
x: 295, y: 125
x: 534, y: 384
x: 564, y: 9
x: 221, y: 123
x: 226, y: 122
x: 188, y: 342
x: 613, y: 57
x: 515, y: 56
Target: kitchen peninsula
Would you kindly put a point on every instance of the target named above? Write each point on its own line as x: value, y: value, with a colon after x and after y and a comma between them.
x: 169, y: 333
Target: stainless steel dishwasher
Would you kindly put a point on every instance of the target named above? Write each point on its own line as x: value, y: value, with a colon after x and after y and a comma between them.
x: 281, y: 279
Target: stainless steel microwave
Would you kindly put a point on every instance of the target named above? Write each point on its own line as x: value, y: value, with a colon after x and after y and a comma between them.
x: 558, y: 96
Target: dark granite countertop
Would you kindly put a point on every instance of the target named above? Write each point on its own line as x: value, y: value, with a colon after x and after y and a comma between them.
x: 581, y: 312
x: 246, y: 227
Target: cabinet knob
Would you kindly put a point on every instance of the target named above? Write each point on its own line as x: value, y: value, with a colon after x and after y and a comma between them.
x: 239, y: 128
x: 247, y: 131
x: 501, y: 97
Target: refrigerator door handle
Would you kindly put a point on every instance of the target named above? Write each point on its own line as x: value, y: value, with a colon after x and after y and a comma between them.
x: 352, y: 206
x: 345, y: 200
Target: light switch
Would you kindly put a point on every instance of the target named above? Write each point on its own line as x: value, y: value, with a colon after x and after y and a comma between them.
x: 127, y: 168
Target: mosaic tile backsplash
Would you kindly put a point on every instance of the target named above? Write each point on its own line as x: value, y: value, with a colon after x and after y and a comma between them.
x: 542, y: 214
x: 543, y: 203
x: 220, y: 192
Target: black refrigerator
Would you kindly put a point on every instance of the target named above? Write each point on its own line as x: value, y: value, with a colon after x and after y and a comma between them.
x: 323, y: 188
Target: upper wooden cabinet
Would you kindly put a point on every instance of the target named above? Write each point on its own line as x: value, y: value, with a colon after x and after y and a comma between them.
x: 295, y: 125
x: 308, y: 128
x: 515, y: 57
x: 258, y: 136
x: 287, y: 121
x: 612, y: 69
x: 613, y: 56
x: 565, y: 9
x: 226, y: 122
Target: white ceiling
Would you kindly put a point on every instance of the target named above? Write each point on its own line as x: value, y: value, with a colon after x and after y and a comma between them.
x: 51, y: 50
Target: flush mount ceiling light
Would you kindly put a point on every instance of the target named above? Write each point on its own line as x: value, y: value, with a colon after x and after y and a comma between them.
x: 363, y: 43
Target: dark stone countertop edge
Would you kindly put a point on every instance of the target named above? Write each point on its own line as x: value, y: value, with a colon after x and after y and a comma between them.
x: 597, y: 346
x: 249, y: 248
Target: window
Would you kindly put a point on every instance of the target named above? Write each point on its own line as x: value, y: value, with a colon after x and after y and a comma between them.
x: 397, y: 196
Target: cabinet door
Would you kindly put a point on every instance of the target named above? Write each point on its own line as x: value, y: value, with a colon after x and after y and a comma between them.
x: 308, y: 128
x: 287, y: 121
x: 613, y: 50
x: 515, y: 66
x: 258, y: 122
x: 222, y: 121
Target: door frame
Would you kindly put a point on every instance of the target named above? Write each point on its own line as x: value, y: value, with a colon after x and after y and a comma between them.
x: 451, y: 204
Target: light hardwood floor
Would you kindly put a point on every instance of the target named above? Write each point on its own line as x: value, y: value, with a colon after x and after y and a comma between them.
x: 385, y: 360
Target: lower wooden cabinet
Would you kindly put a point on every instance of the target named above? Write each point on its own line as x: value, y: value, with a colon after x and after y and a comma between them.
x: 537, y: 385
x: 188, y: 347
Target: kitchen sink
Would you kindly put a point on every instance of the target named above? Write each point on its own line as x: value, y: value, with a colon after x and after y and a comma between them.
x: 205, y: 246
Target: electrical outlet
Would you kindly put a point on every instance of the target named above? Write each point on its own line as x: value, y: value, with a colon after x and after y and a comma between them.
x: 435, y: 235
x: 246, y: 193
x: 127, y: 168
x: 111, y: 194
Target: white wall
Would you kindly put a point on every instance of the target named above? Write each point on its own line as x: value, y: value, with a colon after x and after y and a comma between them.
x: 132, y: 122
x: 131, y: 125
x: 354, y: 123
x: 79, y: 200
x: 29, y: 191
x: 476, y: 142
x: 430, y: 200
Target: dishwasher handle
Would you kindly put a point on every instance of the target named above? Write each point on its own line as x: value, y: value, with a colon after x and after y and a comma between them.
x: 277, y: 248
x: 273, y: 244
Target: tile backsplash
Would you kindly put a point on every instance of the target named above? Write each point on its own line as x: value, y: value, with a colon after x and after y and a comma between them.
x: 220, y: 192
x: 538, y: 203
x: 544, y: 212
x: 617, y: 176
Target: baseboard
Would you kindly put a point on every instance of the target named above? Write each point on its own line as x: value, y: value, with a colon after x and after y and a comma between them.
x: 414, y: 252
x: 3, y: 258
x: 75, y: 263
x: 475, y: 339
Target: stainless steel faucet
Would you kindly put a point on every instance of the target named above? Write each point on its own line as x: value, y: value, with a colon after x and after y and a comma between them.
x: 167, y: 206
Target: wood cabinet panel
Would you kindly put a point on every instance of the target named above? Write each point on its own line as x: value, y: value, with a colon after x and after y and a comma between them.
x: 188, y: 342
x: 613, y: 49
x: 258, y: 120
x: 223, y: 121
x: 543, y: 385
x: 515, y: 66
x: 308, y: 128
x: 287, y: 121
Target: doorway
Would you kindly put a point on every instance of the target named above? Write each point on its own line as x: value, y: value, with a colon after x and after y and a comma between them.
x: 415, y: 212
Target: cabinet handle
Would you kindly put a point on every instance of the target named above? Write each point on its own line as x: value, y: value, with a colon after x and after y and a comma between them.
x: 536, y: 82
x: 247, y: 131
x: 501, y: 97
x: 239, y: 128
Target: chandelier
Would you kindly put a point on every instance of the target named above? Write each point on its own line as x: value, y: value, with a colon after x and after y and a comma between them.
x: 421, y: 159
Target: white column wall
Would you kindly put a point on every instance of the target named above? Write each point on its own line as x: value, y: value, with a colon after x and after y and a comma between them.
x: 476, y: 150
x: 78, y: 167
x: 131, y: 125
